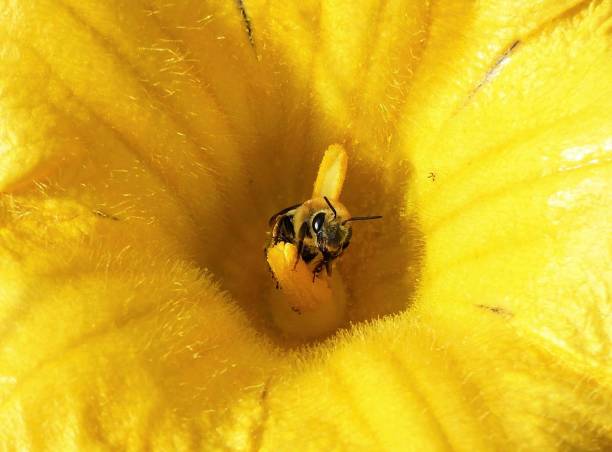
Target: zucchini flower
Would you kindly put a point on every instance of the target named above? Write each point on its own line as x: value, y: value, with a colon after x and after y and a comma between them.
x: 145, y: 145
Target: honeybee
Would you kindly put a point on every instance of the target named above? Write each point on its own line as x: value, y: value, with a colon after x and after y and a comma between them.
x: 320, y: 230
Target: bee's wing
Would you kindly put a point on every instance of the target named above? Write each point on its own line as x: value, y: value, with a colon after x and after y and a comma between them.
x: 282, y: 212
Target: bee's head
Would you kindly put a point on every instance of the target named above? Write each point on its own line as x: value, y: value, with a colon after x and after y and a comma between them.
x: 332, y: 231
x: 329, y: 232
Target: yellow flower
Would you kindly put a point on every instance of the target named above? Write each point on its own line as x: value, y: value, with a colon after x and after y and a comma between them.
x: 143, y: 145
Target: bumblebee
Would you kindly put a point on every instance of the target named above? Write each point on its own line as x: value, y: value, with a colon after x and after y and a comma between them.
x: 320, y: 230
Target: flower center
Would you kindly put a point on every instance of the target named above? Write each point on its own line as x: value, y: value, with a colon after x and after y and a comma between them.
x: 381, y: 268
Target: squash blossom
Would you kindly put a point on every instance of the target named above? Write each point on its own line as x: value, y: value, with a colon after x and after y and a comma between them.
x: 144, y: 145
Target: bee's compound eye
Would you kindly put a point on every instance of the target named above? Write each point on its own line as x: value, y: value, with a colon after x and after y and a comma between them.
x: 318, y: 221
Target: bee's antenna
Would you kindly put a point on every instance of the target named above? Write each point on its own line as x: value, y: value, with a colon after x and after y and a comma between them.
x: 374, y: 217
x: 330, y: 206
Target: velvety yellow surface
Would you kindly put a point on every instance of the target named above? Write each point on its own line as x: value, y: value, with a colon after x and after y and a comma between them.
x: 144, y: 145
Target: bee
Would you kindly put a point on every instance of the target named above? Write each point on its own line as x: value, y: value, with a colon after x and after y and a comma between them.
x: 320, y: 231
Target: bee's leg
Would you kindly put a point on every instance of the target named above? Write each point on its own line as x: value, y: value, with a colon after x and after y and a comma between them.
x: 317, y: 270
x: 328, y: 268
x: 300, y: 243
